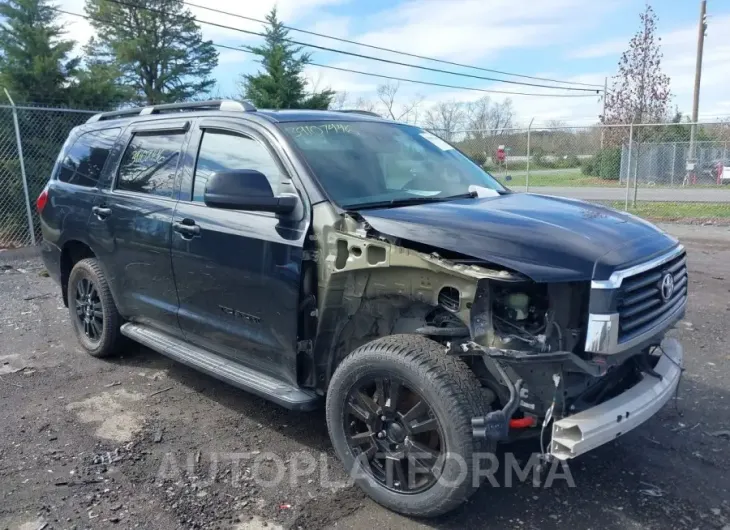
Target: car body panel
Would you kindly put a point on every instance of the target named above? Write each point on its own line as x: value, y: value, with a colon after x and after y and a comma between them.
x: 545, y: 238
x: 238, y: 280
x: 134, y: 241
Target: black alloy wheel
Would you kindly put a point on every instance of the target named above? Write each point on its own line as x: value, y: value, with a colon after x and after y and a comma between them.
x: 394, y: 433
x: 89, y: 311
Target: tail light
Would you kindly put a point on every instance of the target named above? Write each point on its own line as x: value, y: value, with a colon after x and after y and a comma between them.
x: 42, y: 199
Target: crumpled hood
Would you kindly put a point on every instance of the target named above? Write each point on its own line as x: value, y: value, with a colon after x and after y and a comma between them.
x: 546, y: 238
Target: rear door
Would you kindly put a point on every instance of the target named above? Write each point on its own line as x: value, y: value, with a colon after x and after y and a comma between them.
x: 237, y: 272
x: 133, y: 218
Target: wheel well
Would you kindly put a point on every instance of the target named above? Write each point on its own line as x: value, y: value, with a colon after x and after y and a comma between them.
x: 71, y: 254
x: 374, y: 318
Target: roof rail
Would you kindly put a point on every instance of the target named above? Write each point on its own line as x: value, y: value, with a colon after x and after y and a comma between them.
x: 216, y: 104
x: 358, y: 111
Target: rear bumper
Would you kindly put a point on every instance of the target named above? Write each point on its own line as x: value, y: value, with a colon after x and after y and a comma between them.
x: 51, y: 256
x: 582, y: 432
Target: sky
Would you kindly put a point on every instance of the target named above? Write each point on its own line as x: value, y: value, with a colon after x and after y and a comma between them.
x: 571, y: 40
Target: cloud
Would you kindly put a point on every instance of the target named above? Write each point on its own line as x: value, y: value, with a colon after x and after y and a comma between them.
x: 602, y: 49
x: 468, y: 30
x: 288, y: 10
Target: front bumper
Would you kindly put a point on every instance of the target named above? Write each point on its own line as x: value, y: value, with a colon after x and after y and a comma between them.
x: 582, y: 432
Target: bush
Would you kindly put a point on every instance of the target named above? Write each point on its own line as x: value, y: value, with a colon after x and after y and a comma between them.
x: 479, y: 158
x: 605, y: 164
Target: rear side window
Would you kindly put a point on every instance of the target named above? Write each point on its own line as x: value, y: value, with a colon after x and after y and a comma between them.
x: 149, y: 163
x: 83, y: 161
x: 221, y: 151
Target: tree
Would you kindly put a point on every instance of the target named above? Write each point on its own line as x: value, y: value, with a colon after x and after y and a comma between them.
x: 640, y: 91
x: 405, y: 112
x: 156, y: 44
x: 486, y: 118
x: 445, y: 118
x: 282, y: 84
x: 35, y: 60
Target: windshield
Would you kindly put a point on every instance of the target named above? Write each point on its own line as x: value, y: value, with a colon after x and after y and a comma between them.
x: 360, y: 163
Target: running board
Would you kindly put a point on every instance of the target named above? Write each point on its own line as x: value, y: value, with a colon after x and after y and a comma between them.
x: 222, y: 368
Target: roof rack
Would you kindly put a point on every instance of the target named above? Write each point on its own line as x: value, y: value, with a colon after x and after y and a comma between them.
x: 216, y: 104
x: 358, y: 111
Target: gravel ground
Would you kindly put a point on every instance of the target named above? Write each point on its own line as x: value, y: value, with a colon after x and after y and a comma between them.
x: 143, y: 442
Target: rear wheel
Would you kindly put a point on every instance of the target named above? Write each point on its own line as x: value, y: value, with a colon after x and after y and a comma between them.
x: 91, y: 307
x: 399, y: 415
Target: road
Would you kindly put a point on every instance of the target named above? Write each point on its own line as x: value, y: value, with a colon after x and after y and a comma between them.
x: 645, y: 194
x: 142, y: 442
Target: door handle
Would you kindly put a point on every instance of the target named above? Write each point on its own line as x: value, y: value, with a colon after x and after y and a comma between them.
x: 101, y: 212
x: 186, y: 228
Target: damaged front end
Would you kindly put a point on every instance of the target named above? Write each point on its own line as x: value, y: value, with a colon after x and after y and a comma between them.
x: 529, y: 343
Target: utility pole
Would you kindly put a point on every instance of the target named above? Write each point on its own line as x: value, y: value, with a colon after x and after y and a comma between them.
x: 603, y: 114
x: 698, y: 75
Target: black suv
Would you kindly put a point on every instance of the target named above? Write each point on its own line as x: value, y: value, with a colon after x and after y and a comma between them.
x: 338, y: 258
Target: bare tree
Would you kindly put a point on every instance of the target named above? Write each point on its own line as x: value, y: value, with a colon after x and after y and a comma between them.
x: 365, y: 104
x: 405, y: 112
x: 640, y: 91
x: 341, y: 100
x: 445, y: 118
x: 486, y: 118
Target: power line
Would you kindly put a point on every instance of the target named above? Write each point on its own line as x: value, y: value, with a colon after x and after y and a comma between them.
x: 393, y: 78
x: 389, y: 50
x: 362, y: 56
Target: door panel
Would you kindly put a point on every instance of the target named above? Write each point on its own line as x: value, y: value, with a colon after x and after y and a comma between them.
x: 238, y: 277
x: 138, y: 229
x: 238, y: 284
x: 133, y: 220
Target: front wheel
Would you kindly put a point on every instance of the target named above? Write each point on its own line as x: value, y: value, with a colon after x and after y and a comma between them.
x: 399, y: 415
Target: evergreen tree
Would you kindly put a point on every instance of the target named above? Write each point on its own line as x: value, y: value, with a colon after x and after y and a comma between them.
x: 281, y: 85
x: 35, y: 60
x: 157, y: 46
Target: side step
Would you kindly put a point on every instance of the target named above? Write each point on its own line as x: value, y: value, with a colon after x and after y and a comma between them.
x: 222, y: 368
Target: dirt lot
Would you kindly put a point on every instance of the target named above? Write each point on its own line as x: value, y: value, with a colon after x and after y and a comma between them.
x: 142, y: 442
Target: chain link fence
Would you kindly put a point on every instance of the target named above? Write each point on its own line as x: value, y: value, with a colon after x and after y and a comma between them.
x: 658, y: 171
x: 39, y: 134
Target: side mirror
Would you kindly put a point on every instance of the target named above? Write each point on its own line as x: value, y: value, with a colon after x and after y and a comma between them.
x: 245, y: 189
x: 508, y: 178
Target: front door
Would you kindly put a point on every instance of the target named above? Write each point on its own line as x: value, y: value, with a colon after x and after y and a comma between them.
x: 237, y: 272
x: 134, y: 220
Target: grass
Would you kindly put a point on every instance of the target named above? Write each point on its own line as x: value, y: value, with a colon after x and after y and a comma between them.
x: 677, y: 211
x: 571, y: 177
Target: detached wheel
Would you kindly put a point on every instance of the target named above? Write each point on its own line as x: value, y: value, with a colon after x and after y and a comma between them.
x: 399, y: 415
x: 94, y: 316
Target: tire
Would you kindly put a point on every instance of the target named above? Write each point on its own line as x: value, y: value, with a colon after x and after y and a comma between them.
x: 454, y: 397
x: 104, y: 338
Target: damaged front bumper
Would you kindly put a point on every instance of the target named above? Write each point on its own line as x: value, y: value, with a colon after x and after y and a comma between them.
x: 591, y: 428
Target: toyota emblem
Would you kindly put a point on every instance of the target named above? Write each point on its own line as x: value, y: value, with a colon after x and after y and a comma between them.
x: 667, y: 286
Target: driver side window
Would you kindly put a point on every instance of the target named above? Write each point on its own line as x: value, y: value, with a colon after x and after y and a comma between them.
x: 222, y: 151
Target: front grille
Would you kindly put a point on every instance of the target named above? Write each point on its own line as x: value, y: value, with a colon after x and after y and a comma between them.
x: 641, y: 305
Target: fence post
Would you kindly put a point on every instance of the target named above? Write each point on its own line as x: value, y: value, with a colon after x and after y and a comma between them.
x: 674, y: 162
x: 28, y: 210
x: 527, y: 178
x: 628, y: 167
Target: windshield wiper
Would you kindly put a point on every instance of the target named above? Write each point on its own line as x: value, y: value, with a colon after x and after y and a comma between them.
x: 406, y: 201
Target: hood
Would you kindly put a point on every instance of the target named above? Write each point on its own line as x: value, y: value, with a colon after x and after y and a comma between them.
x: 546, y: 238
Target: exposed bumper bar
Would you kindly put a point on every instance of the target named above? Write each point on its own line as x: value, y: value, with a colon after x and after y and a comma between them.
x: 582, y: 432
